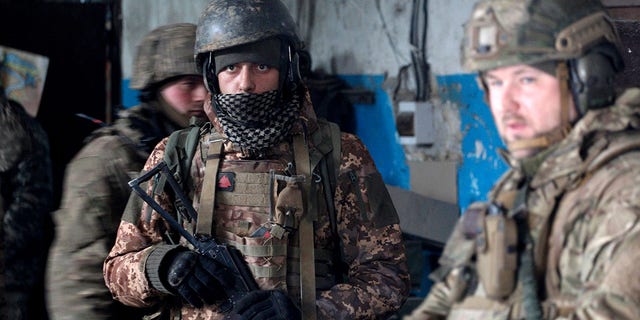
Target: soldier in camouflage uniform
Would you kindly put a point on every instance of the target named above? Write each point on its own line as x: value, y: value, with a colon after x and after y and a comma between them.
x: 255, y: 186
x: 26, y: 194
x: 559, y: 236
x: 95, y: 188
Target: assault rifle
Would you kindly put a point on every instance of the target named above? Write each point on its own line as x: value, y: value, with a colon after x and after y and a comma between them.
x: 203, y: 244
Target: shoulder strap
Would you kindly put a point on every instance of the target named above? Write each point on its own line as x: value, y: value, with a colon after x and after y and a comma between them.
x: 305, y: 231
x: 332, y: 156
x: 179, y: 152
x: 208, y: 194
x: 330, y: 169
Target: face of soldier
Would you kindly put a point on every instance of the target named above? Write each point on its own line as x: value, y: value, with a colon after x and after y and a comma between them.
x: 247, y: 77
x: 185, y: 96
x: 525, y: 103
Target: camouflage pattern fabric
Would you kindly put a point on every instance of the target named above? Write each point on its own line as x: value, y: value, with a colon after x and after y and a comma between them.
x: 584, y: 218
x: 95, y: 193
x: 163, y: 53
x: 372, y: 240
x: 27, y: 192
x: 532, y: 31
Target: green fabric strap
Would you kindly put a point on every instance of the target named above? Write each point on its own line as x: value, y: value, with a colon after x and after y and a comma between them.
x: 208, y: 196
x: 305, y: 232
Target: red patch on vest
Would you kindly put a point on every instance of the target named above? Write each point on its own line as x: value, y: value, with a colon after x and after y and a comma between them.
x: 226, y: 181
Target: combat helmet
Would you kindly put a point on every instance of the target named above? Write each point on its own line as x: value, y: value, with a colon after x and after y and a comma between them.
x: 576, y: 37
x: 230, y: 23
x: 164, y: 53
x: 508, y: 32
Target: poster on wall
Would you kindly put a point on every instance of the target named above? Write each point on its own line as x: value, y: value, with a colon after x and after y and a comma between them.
x: 22, y: 75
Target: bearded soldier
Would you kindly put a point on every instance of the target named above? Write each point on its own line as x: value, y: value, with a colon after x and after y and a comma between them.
x: 558, y: 237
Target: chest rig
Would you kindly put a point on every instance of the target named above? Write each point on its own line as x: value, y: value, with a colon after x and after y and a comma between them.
x: 513, y: 281
x: 267, y: 208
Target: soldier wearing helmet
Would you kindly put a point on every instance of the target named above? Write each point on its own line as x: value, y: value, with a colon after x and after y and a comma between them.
x: 303, y: 202
x: 557, y: 237
x: 95, y: 188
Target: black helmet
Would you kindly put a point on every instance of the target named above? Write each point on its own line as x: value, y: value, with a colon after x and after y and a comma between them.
x: 230, y: 23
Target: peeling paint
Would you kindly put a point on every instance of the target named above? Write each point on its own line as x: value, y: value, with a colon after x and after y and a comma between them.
x: 480, y: 165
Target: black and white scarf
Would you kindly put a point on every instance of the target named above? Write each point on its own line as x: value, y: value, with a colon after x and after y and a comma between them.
x: 256, y: 121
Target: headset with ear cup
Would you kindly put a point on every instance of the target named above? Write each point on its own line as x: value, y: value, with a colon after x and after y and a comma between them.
x: 209, y: 75
x: 592, y: 77
x: 226, y: 24
x: 289, y: 66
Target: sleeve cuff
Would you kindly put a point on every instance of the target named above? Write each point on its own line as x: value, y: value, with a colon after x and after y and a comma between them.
x: 153, y: 265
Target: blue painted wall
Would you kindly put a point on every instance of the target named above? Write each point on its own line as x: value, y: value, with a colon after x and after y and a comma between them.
x: 129, y: 96
x: 375, y: 125
x: 481, y: 165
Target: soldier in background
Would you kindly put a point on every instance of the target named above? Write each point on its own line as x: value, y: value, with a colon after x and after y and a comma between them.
x: 26, y: 198
x: 559, y: 235
x: 96, y: 183
x: 303, y: 202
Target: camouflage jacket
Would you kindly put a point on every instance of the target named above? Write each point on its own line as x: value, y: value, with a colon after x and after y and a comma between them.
x: 95, y: 193
x: 584, y: 221
x: 378, y: 279
x: 27, y: 192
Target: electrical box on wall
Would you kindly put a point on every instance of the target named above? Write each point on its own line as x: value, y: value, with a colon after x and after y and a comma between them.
x: 415, y: 123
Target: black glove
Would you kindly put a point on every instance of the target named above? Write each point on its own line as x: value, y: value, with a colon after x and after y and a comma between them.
x: 266, y: 305
x: 197, y: 278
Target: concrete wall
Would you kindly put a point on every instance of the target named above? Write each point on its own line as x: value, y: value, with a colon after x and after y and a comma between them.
x: 368, y: 43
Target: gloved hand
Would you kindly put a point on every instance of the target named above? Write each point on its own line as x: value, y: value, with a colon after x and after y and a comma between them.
x: 266, y: 305
x: 198, y: 279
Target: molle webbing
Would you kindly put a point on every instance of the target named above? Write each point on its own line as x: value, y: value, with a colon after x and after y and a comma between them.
x: 259, y: 251
x: 251, y: 189
x: 323, y: 263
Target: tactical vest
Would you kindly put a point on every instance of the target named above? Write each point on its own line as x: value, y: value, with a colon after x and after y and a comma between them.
x: 496, y: 294
x: 257, y: 203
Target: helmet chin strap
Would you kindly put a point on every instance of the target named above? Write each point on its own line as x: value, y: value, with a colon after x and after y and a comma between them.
x: 551, y: 137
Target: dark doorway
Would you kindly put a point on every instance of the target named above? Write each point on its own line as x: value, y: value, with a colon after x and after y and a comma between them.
x: 83, y: 57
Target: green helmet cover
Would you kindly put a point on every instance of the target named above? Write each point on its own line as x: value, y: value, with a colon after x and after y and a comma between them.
x: 508, y: 32
x: 164, y: 53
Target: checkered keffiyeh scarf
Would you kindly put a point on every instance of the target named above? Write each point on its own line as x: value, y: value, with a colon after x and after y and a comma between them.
x: 256, y: 121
